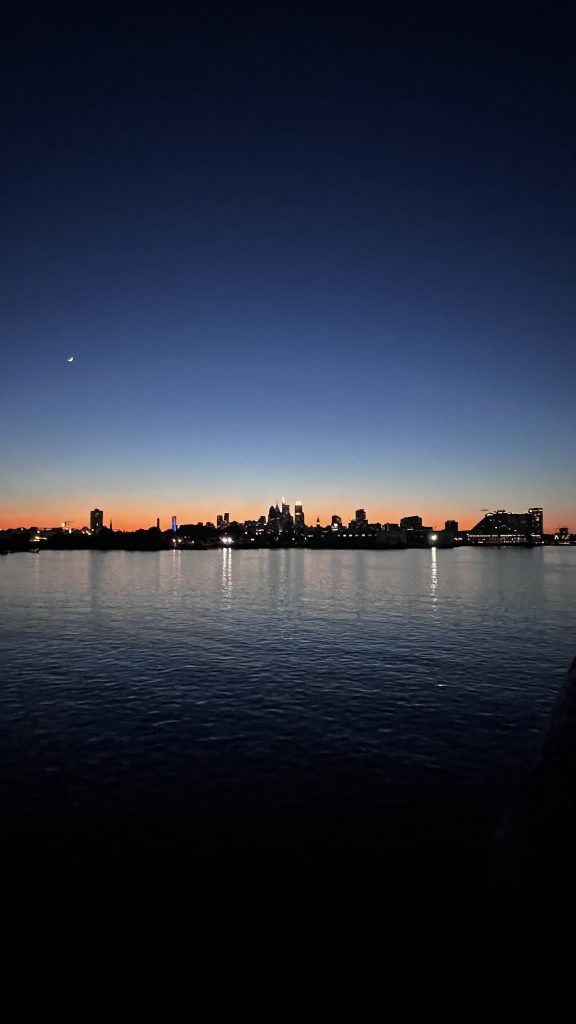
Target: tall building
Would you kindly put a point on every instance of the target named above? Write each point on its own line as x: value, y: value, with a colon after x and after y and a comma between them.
x: 360, y: 515
x: 96, y: 520
x: 537, y: 520
x: 174, y: 524
x: 336, y: 522
x: 299, y: 514
x: 219, y: 522
x: 226, y: 519
x: 451, y: 526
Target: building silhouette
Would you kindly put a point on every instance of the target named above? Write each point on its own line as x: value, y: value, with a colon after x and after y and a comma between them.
x: 501, y: 527
x: 537, y: 519
x: 96, y: 520
x: 411, y: 523
x: 274, y: 516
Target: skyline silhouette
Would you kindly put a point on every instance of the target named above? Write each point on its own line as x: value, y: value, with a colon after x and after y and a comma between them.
x: 266, y: 251
x: 298, y: 513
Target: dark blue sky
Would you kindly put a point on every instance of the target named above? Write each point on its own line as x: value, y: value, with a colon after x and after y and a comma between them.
x: 317, y: 253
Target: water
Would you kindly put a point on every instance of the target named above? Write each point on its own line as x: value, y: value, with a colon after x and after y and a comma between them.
x: 124, y: 668
x: 352, y: 707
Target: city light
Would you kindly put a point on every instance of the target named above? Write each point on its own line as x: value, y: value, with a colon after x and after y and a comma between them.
x: 282, y: 529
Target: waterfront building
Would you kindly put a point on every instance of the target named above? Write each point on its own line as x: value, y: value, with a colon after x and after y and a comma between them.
x: 411, y: 523
x: 501, y: 527
x: 391, y: 536
x: 96, y: 520
x: 537, y: 519
x: 299, y: 514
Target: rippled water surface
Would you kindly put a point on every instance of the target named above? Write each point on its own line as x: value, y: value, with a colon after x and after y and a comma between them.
x: 153, y: 684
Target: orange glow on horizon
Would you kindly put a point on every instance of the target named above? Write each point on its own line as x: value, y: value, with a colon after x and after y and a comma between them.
x: 135, y: 518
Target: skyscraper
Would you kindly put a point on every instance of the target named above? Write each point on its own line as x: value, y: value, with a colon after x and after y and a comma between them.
x: 360, y: 515
x: 299, y: 514
x: 96, y: 520
x: 537, y: 520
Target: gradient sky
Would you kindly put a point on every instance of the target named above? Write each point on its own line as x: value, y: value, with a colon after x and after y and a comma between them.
x: 307, y: 253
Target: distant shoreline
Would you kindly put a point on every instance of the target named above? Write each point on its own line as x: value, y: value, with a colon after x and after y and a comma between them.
x: 310, y: 545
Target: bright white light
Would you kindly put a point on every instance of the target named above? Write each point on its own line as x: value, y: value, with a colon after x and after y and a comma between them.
x: 226, y: 540
x: 70, y: 359
x: 434, y: 536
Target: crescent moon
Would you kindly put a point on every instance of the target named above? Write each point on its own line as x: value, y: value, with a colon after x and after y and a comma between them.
x: 70, y: 359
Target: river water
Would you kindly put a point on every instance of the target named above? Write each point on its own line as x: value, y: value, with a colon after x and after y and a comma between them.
x: 377, y: 702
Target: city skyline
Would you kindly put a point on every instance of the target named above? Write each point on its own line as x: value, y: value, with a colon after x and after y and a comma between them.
x: 326, y: 256
x: 222, y: 519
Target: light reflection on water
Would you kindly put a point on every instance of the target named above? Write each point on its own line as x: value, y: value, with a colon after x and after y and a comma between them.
x: 227, y: 576
x: 433, y: 574
x: 124, y: 670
